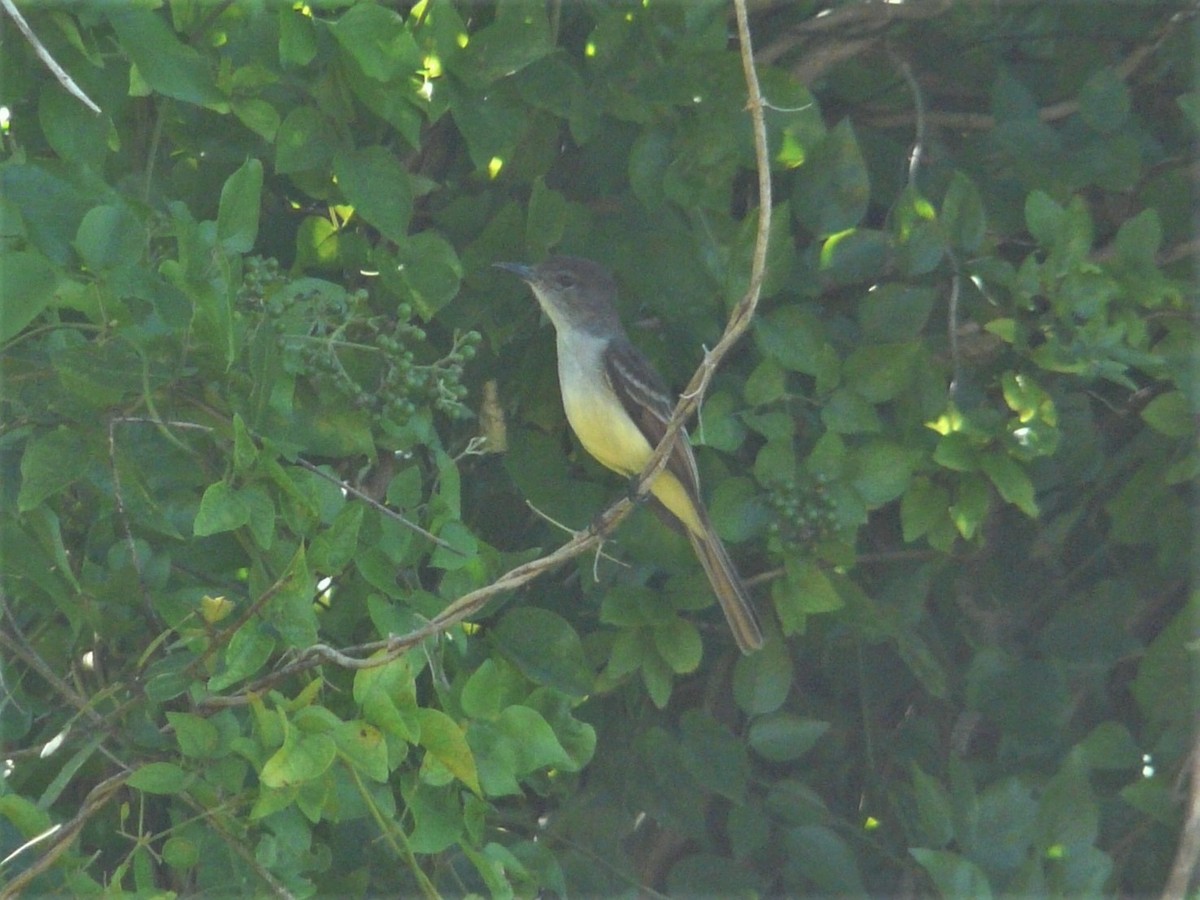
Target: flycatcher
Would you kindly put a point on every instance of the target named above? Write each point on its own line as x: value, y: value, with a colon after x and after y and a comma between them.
x: 619, y: 407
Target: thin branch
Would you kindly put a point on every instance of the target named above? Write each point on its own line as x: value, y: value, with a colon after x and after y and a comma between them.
x: 966, y: 121
x: 361, y: 656
x: 44, y: 55
x: 97, y: 798
x: 376, y: 505
x: 571, y: 531
x: 1187, y: 856
x: 19, y: 647
x: 743, y: 313
x: 918, y: 147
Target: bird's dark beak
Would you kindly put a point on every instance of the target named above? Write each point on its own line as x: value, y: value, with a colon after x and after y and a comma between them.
x: 525, y: 273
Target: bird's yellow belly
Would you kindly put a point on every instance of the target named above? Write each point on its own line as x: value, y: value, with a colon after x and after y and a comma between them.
x: 614, y: 441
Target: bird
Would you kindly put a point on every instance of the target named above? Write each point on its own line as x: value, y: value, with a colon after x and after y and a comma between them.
x: 618, y: 407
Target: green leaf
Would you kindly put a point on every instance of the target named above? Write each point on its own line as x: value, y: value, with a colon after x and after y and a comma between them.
x: 336, y: 546
x: 1044, y: 218
x: 1104, y: 102
x: 895, y: 312
x: 957, y: 452
x: 881, y: 372
x: 387, y: 696
x: 952, y: 874
x: 854, y: 255
x: 1109, y: 746
x: 923, y: 506
x: 935, y: 812
x: 50, y: 208
x: 165, y: 63
x: 883, y: 471
x: 492, y: 687
x: 46, y: 468
x: 428, y: 273
x: 763, y: 680
x: 364, y: 748
x: 737, y: 510
x: 766, y: 384
x: 545, y: 647
x: 545, y: 218
x: 823, y: 858
x: 536, y: 744
x: 375, y: 38
x: 259, y: 116
x: 196, y: 735
x: 713, y: 756
x: 919, y: 243
x: 678, y: 642
x: 1169, y: 414
x: 248, y: 651
x: 970, y: 507
x: 719, y: 426
x: 846, y: 412
x: 237, y: 215
x: 378, y: 187
x: 304, y: 757
x: 290, y: 608
x: 1011, y: 480
x: 159, y: 778
x: 73, y: 131
x: 437, y: 817
x: 519, y: 36
x: 963, y: 219
x: 490, y: 124
x: 28, y: 280
x: 180, y: 853
x: 658, y: 678
x: 306, y: 141
x: 1165, y: 681
x: 805, y: 590
x: 709, y: 875
x: 784, y: 736
x: 168, y: 677
x: 832, y: 186
x: 221, y: 509
x: 792, y: 336
x: 445, y: 742
x: 1138, y: 241
x: 110, y: 237
x: 297, y: 37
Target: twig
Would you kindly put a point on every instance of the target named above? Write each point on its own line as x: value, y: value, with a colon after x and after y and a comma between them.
x: 17, y: 644
x: 376, y: 505
x: 96, y: 799
x: 966, y: 121
x: 571, y: 531
x: 456, y: 612
x: 918, y: 147
x: 1187, y: 856
x: 743, y: 313
x: 914, y: 171
x: 44, y: 55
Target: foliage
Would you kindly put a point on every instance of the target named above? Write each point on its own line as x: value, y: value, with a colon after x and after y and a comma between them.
x: 956, y: 457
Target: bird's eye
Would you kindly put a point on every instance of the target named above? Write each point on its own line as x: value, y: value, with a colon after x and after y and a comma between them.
x: 565, y: 280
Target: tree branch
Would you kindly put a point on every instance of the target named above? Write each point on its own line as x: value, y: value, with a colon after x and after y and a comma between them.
x: 44, y: 55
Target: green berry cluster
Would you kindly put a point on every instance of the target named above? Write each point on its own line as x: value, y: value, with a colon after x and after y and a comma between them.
x: 260, y: 278
x: 803, y: 511
x: 377, y: 362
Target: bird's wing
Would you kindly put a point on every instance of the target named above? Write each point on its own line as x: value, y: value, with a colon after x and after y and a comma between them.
x: 645, y: 397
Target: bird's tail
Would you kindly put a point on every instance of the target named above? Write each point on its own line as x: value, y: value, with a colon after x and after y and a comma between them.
x: 728, y: 587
